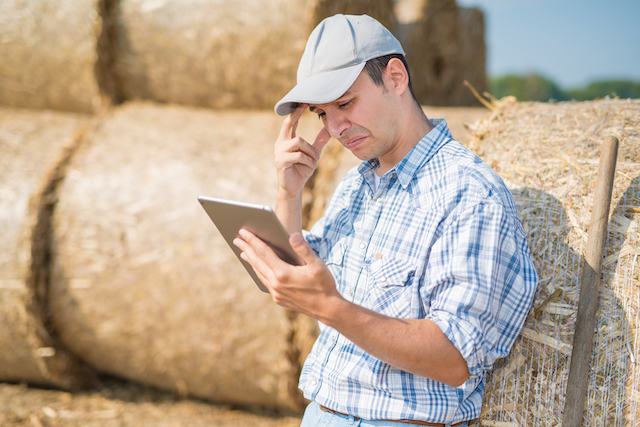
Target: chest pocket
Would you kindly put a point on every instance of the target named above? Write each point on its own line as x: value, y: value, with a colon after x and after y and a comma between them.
x: 389, y: 289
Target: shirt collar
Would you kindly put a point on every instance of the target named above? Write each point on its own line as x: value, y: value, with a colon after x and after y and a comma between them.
x: 417, y: 157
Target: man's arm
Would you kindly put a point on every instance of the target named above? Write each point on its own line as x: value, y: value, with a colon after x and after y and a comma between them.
x: 295, y: 161
x: 414, y: 345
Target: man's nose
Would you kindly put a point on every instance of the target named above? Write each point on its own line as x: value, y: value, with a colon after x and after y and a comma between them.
x: 337, y: 124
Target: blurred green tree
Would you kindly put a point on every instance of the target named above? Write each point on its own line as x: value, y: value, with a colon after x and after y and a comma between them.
x: 534, y: 87
x: 530, y: 87
x: 600, y: 89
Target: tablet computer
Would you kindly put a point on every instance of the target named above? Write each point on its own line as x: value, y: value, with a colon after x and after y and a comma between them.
x: 230, y: 216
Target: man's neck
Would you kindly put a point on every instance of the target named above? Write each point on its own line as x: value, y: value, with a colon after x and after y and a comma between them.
x: 417, y: 126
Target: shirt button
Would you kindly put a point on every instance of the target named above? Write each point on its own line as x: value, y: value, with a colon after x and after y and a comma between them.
x: 334, y: 337
x: 350, y: 292
x: 362, y: 246
x: 379, y: 200
x: 314, y: 383
x: 383, y: 279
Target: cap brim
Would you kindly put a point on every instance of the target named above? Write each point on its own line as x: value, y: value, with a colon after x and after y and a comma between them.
x: 319, y: 89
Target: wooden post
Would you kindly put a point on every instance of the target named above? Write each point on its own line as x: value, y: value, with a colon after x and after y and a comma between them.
x: 590, y: 288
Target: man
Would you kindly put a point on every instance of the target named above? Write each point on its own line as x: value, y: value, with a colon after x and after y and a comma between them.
x: 419, y: 273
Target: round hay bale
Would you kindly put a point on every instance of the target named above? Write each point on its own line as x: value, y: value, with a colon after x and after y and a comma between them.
x: 433, y: 48
x: 445, y: 46
x: 144, y: 287
x: 548, y: 155
x: 382, y: 10
x: 48, y: 51
x: 34, y: 146
x: 204, y: 53
x: 207, y: 54
x: 472, y: 61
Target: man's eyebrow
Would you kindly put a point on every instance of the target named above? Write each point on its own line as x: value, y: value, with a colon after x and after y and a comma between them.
x: 347, y: 93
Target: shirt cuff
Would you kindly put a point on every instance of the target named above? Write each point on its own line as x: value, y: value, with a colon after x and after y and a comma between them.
x: 465, y: 337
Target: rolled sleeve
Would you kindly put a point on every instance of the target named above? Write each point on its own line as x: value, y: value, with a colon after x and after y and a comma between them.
x: 476, y: 285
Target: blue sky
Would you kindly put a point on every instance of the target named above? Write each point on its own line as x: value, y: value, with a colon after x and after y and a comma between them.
x: 571, y: 42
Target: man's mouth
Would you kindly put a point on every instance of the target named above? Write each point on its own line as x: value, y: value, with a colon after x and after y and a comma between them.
x: 354, y: 142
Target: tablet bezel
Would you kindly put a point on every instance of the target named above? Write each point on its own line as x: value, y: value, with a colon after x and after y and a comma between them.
x: 229, y: 216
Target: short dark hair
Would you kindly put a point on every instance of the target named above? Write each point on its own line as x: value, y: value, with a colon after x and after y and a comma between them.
x: 376, y: 67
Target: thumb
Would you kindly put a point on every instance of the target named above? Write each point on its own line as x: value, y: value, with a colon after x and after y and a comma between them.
x: 302, y: 248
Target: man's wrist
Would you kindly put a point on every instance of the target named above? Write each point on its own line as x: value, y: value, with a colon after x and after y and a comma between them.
x: 289, y: 211
x: 286, y: 197
x: 333, y: 311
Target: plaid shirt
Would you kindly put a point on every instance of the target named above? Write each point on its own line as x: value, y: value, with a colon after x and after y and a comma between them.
x: 439, y: 239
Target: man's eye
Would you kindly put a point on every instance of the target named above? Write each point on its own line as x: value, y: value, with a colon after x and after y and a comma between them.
x: 321, y: 115
x: 345, y: 105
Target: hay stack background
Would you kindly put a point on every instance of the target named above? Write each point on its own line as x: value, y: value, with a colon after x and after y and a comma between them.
x: 382, y: 10
x: 209, y: 53
x: 144, y: 287
x: 82, y: 56
x: 548, y: 155
x: 110, y: 264
x: 48, y: 51
x: 472, y: 58
x: 445, y: 46
x: 32, y: 145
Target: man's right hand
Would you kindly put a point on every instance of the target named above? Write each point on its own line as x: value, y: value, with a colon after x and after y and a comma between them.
x: 295, y: 158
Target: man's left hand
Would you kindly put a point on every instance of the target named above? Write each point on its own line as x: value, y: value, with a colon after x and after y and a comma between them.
x: 305, y: 289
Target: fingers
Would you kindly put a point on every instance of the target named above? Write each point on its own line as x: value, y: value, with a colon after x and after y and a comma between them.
x: 290, y: 159
x: 321, y: 140
x: 295, y: 158
x: 290, y: 124
x: 292, y: 151
x: 254, y: 251
x: 296, y: 144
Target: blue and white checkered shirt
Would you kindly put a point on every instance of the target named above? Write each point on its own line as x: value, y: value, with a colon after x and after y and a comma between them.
x: 440, y: 239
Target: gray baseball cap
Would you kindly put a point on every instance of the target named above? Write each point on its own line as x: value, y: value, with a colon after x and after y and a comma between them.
x: 336, y: 53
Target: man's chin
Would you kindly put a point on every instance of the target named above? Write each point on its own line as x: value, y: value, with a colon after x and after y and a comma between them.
x: 361, y: 155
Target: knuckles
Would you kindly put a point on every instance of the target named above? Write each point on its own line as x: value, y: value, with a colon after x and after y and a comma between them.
x: 282, y: 276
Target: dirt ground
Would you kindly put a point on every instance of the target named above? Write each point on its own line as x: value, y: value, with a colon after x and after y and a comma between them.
x: 118, y: 403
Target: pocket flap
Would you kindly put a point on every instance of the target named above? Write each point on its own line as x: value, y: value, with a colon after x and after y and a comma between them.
x: 391, y: 272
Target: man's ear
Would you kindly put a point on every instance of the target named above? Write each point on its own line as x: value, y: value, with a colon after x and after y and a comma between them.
x: 398, y: 75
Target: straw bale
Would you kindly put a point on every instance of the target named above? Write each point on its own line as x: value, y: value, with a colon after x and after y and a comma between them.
x: 444, y: 45
x: 472, y: 58
x: 143, y: 286
x: 382, y: 10
x: 203, y: 53
x: 548, y: 155
x: 207, y: 54
x: 33, y: 145
x: 48, y: 54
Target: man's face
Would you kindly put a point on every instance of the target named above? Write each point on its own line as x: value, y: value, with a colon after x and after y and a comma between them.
x: 363, y: 119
